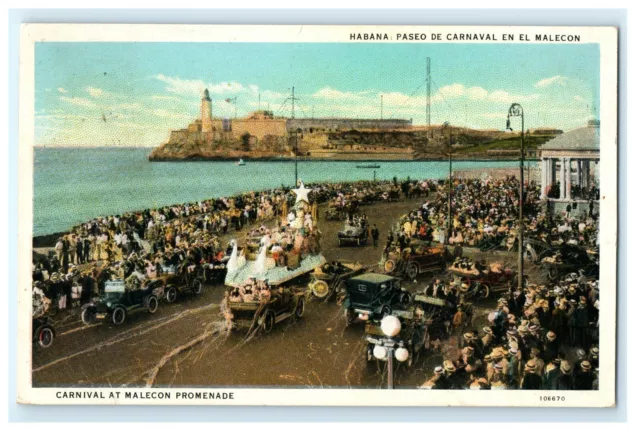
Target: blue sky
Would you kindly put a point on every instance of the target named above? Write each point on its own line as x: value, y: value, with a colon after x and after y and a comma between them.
x: 134, y: 93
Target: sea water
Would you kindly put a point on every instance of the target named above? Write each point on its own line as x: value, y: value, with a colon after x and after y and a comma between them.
x: 73, y: 185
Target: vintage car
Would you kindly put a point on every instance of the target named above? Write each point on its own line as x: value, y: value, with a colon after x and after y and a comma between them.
x: 43, y: 331
x: 334, y: 214
x: 330, y: 279
x: 483, y: 280
x: 263, y: 314
x: 426, y: 319
x: 413, y: 336
x: 418, y: 258
x: 569, y: 259
x: 353, y: 234
x: 180, y: 284
x: 371, y: 296
x: 117, y: 301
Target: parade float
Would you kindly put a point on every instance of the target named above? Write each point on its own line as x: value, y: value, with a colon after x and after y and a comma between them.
x: 262, y: 275
x: 281, y: 254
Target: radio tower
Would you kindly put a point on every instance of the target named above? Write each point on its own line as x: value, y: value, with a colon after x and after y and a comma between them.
x: 428, y: 95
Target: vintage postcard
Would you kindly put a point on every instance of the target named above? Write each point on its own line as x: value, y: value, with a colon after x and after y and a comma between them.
x: 317, y: 215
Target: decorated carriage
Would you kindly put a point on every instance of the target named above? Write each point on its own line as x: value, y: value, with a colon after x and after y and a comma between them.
x: 264, y: 275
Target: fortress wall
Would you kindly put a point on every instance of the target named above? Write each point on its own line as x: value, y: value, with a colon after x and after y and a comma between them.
x: 333, y: 124
x: 257, y: 128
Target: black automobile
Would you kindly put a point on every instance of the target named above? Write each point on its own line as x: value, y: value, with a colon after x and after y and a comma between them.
x: 117, y: 302
x: 371, y: 296
x: 353, y: 233
x: 43, y: 332
x: 569, y: 259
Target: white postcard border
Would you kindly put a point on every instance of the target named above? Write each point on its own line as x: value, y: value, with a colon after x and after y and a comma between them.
x: 606, y: 37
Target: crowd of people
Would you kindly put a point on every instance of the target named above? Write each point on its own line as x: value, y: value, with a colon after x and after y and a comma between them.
x: 542, y: 337
x: 484, y: 214
x: 180, y: 236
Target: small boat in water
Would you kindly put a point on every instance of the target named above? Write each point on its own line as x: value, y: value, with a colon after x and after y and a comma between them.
x: 240, y: 163
x: 370, y: 166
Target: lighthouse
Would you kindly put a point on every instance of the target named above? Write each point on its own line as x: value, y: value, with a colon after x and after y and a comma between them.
x: 205, y: 113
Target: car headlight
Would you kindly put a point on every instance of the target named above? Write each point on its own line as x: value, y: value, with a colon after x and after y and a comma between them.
x: 108, y: 304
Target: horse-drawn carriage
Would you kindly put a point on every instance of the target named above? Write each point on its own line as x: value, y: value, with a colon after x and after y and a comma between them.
x: 330, y: 280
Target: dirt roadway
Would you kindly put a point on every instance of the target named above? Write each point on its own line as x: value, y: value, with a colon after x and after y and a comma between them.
x: 316, y: 350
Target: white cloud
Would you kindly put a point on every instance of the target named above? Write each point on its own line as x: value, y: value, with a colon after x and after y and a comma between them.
x: 79, y: 101
x: 195, y: 87
x: 554, y: 80
x: 94, y: 92
x: 333, y: 94
x: 453, y: 90
x: 477, y: 93
x: 166, y: 98
x: 62, y: 90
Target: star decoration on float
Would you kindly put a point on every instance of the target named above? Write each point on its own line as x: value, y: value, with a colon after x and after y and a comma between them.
x: 302, y: 193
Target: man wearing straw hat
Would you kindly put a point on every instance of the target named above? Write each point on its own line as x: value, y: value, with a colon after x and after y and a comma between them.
x: 531, y: 380
x: 584, y: 377
x: 551, y: 376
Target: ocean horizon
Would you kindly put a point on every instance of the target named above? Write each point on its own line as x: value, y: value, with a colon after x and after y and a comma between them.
x: 75, y: 184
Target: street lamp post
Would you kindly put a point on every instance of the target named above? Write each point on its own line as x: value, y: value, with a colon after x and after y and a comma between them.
x: 387, y: 348
x: 516, y: 110
x: 445, y: 125
x: 295, y: 149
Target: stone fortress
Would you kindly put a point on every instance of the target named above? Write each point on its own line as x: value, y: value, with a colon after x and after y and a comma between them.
x: 265, y: 135
x: 262, y: 135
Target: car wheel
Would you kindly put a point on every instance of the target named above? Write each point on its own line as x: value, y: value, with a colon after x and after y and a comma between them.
x: 152, y: 304
x: 483, y: 291
x: 269, y: 321
x: 405, y: 299
x: 197, y: 286
x: 389, y: 266
x: 172, y: 295
x: 299, y: 311
x: 413, y: 270
x: 45, y: 337
x: 349, y: 316
x: 88, y: 316
x: 320, y: 288
x: 118, y: 316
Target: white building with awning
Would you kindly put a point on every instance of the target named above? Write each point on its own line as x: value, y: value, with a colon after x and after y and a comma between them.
x: 569, y: 173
